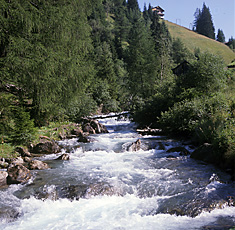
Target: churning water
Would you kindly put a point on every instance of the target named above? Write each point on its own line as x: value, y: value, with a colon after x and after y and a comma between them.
x: 105, y: 186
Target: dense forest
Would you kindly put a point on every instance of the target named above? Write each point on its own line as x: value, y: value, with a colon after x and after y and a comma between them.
x: 66, y: 59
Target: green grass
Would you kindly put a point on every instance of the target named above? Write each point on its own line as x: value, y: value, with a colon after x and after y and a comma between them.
x: 7, y: 151
x: 194, y: 40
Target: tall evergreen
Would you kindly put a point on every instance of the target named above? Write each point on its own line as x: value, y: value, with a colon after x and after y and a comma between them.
x: 133, y: 5
x: 203, y: 22
x: 220, y: 36
x: 163, y: 44
x: 141, y: 62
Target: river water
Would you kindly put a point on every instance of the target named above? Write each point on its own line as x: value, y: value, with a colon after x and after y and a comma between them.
x: 104, y: 186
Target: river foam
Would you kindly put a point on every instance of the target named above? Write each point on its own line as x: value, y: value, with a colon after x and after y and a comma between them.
x: 145, y: 190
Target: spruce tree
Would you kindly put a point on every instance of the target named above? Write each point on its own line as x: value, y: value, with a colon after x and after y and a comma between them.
x: 133, y: 5
x: 141, y: 61
x: 203, y: 22
x: 220, y: 36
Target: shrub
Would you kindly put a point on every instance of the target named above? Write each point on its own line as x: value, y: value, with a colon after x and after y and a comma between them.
x: 24, y: 130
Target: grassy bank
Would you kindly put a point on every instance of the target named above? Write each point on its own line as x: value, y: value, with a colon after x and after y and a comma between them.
x: 53, y: 131
x: 194, y: 40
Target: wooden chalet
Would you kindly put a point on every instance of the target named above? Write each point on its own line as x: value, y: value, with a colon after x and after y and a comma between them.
x: 181, y: 68
x: 159, y: 11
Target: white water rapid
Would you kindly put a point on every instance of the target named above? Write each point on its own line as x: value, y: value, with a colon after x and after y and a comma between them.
x: 105, y: 187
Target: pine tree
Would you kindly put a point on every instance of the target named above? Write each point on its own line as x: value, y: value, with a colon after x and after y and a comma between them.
x: 203, y: 22
x: 163, y: 44
x: 133, y: 5
x: 141, y: 61
x: 220, y: 36
x: 150, y: 11
x: 231, y: 43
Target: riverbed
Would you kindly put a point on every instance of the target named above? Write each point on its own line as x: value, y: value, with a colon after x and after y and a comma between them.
x: 105, y: 186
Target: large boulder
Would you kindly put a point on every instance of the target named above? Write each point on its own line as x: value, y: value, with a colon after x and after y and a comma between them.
x: 37, y: 165
x: 18, y: 174
x: 3, y: 178
x: 23, y: 152
x: 205, y: 153
x: 47, y: 147
x: 93, y: 126
x: 17, y: 161
x: 88, y: 128
x: 96, y: 126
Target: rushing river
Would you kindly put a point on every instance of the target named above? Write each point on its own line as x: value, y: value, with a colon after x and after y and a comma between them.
x: 103, y: 186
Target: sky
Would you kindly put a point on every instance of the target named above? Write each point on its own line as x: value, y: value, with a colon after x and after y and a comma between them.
x: 182, y: 12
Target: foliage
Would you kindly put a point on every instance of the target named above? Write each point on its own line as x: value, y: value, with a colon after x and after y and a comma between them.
x: 206, y: 76
x: 231, y: 43
x: 7, y: 151
x: 220, y: 36
x: 180, y: 52
x: 24, y: 130
x: 203, y: 22
x: 206, y: 120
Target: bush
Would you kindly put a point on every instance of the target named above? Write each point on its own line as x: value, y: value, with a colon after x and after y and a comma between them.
x: 24, y: 130
x: 80, y: 107
x: 208, y: 119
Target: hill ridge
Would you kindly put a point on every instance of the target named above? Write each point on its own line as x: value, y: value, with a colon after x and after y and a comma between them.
x: 193, y: 40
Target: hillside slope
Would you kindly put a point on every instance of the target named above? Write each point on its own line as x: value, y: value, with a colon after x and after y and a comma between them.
x: 193, y: 40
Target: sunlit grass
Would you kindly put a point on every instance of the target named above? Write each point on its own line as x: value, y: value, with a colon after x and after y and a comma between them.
x: 193, y: 40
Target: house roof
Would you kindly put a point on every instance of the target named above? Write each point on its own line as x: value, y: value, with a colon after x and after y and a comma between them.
x: 158, y: 8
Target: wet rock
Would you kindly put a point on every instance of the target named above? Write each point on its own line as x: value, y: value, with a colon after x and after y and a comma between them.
x: 183, y: 151
x: 8, y: 214
x: 23, y: 152
x: 37, y: 165
x: 3, y: 164
x: 48, y: 147
x: 205, y: 153
x: 3, y: 178
x: 18, y: 174
x: 93, y: 126
x: 75, y: 192
x: 83, y: 138
x: 103, y: 128
x: 72, y: 192
x: 88, y: 128
x: 96, y: 126
x: 136, y: 146
x: 171, y: 157
x: 27, y: 159
x: 161, y: 146
x: 100, y: 189
x: 15, y: 161
x: 76, y: 131
x: 63, y: 157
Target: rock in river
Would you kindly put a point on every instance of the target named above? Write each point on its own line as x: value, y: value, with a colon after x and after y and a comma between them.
x: 18, y: 174
x: 37, y: 165
x: 47, y: 147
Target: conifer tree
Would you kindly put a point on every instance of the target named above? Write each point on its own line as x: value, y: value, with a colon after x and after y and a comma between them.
x: 163, y: 44
x: 203, y: 22
x: 141, y: 61
x: 220, y: 36
x: 133, y: 5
